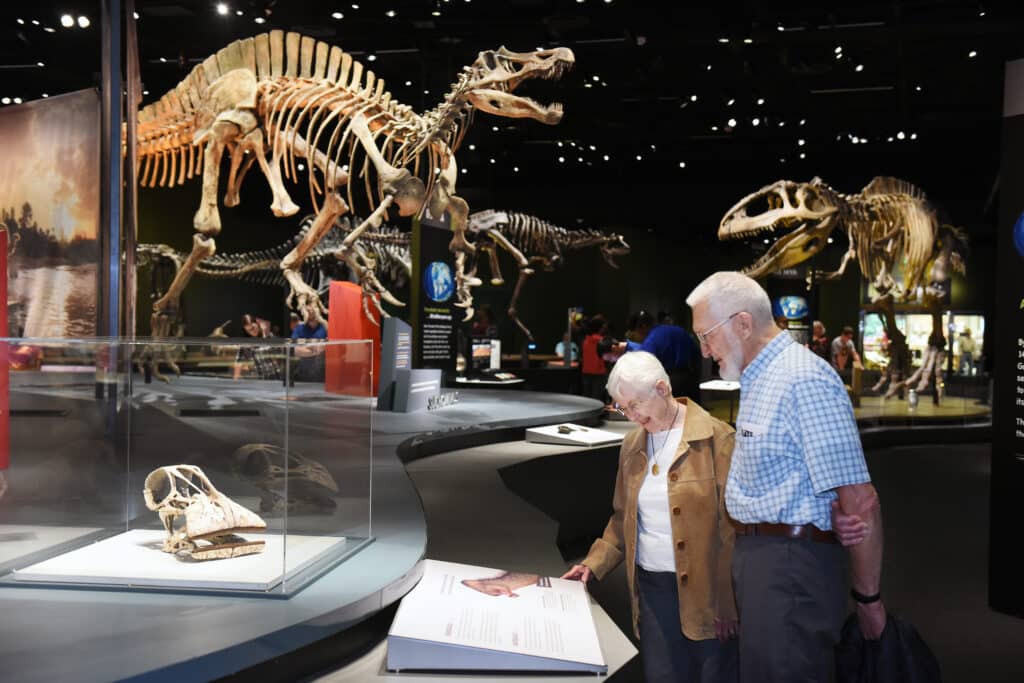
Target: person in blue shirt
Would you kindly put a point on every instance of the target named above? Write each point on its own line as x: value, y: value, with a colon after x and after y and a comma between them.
x: 309, y: 364
x: 674, y: 347
x: 797, y: 488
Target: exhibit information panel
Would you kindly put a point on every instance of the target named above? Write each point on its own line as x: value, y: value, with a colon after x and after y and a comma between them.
x: 1006, y: 586
x: 237, y: 474
x: 435, y: 315
x: 466, y: 618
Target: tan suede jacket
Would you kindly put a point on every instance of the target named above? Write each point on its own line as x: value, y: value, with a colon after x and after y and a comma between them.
x: 701, y: 531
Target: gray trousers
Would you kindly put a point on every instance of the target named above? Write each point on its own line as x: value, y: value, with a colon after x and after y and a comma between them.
x: 669, y: 656
x: 791, y: 596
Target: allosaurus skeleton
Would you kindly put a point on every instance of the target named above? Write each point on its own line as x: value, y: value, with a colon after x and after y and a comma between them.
x: 889, y: 224
x: 276, y: 97
x: 530, y: 240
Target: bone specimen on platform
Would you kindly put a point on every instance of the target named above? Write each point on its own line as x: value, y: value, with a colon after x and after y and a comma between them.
x: 890, y: 226
x: 200, y: 521
x: 278, y: 98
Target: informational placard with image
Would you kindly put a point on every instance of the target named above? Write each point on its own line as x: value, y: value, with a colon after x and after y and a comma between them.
x: 467, y: 618
x: 434, y: 314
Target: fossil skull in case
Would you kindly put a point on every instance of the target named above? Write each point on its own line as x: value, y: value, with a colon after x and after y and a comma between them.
x: 200, y: 520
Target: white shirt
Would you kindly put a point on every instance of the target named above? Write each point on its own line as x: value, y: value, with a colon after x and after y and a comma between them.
x: 654, y: 523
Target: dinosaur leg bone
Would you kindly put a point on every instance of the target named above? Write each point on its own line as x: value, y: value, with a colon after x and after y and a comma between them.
x: 291, y: 265
x: 240, y: 165
x: 361, y: 265
x: 524, y: 272
x: 407, y: 191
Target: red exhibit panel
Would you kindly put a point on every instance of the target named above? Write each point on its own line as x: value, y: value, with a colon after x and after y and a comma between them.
x: 351, y: 369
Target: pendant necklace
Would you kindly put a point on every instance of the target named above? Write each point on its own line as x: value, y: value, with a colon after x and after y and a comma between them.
x: 657, y: 470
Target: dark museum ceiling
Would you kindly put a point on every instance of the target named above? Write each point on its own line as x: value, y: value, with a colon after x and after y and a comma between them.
x: 714, y: 98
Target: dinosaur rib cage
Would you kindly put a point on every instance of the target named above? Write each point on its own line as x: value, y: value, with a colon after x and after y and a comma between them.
x: 532, y: 235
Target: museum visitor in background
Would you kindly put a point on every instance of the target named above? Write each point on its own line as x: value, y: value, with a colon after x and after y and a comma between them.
x: 594, y: 371
x: 673, y: 346
x: 819, y: 343
x: 670, y: 526
x: 798, y: 471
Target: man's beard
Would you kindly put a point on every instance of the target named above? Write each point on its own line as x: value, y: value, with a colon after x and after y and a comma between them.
x: 730, y: 367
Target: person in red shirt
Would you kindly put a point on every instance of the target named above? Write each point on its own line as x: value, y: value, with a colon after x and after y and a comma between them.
x: 594, y: 371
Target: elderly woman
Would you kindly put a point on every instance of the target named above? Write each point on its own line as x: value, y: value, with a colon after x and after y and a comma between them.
x: 670, y: 525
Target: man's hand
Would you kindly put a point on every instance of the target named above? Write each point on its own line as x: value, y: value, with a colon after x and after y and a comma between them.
x: 849, y: 529
x: 578, y: 572
x: 726, y: 629
x: 871, y: 618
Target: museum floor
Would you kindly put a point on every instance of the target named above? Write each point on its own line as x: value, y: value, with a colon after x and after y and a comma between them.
x: 935, y: 499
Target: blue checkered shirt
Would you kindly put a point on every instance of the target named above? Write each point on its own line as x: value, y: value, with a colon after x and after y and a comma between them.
x: 796, y: 439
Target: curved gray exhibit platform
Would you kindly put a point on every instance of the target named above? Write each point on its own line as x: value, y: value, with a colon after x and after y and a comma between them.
x: 50, y: 634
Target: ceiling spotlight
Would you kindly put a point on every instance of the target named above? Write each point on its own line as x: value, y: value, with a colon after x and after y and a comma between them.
x: 913, y: 136
x: 371, y: 58
x: 693, y: 98
x: 760, y: 101
x: 780, y: 27
x: 5, y: 100
x: 803, y: 121
x: 802, y: 155
x: 559, y: 143
x: 731, y: 102
x: 889, y: 139
x: 355, y: 6
x: 337, y: 15
x: 40, y: 64
x: 35, y: 22
x: 435, y: 13
x: 682, y: 164
x: 408, y: 84
x: 579, y: 159
x: 17, y: 100
x: 830, y: 240
x: 756, y: 122
x: 45, y: 95
x: 494, y: 128
x: 605, y: 157
x: 463, y: 170
x: 854, y: 139
x: 731, y: 123
x: 639, y: 158
x: 493, y: 161
x: 709, y: 67
x: 917, y: 88
x: 67, y: 21
x: 426, y: 92
x: 561, y: 160
x: 653, y: 148
x: 21, y: 21
x: 163, y: 59
x: 801, y: 142
x: 858, y: 68
x: 766, y: 240
x: 724, y: 41
x: 222, y: 9
x: 136, y: 15
x: 260, y: 20
x: 515, y: 169
x: 714, y: 128
x: 748, y: 41
x: 782, y: 124
x: 901, y: 135
x: 981, y: 13
x: 839, y: 48
x: 972, y: 54
x: 782, y: 160
x: 302, y: 167
x: 593, y: 149
x: 49, y: 29
x: 588, y: 85
x: 472, y: 147
x: 390, y: 13
x: 239, y: 12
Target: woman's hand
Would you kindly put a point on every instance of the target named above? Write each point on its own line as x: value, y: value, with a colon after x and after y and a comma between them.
x: 849, y: 529
x: 726, y: 628
x: 578, y: 572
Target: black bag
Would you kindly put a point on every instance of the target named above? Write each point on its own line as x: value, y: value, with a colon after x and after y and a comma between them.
x: 899, y: 656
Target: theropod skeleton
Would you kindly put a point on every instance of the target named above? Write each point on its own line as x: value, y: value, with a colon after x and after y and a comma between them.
x: 893, y: 233
x: 275, y: 98
x: 532, y: 241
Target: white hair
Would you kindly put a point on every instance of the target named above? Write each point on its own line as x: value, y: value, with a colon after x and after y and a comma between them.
x: 729, y: 292
x: 638, y: 370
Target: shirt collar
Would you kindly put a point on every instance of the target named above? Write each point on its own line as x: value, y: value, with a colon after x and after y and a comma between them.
x: 761, y: 361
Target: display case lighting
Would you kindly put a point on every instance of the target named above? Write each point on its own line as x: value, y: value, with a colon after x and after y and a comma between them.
x: 67, y: 21
x: 222, y: 9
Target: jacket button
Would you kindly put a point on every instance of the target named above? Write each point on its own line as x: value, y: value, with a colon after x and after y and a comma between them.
x: 680, y: 545
x: 673, y: 477
x: 676, y: 511
x: 683, y: 578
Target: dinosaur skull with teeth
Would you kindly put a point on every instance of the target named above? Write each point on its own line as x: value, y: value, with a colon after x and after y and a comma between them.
x: 615, y: 246
x: 200, y: 520
x: 496, y: 73
x: 805, y: 210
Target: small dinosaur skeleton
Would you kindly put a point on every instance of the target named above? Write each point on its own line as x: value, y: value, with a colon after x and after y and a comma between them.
x: 889, y: 224
x: 200, y: 520
x: 532, y: 241
x: 276, y: 98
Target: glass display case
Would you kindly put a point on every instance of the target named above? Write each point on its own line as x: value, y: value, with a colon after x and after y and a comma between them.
x: 246, y: 469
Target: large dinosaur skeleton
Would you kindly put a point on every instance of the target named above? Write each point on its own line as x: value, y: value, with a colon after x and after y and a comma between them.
x: 276, y: 98
x: 530, y: 240
x: 891, y: 228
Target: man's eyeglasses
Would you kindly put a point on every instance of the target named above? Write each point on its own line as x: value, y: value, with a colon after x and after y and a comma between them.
x: 703, y: 336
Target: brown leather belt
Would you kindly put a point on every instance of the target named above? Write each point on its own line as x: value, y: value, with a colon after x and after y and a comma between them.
x: 804, y: 531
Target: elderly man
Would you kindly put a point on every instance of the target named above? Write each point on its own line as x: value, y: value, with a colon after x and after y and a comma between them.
x: 797, y: 469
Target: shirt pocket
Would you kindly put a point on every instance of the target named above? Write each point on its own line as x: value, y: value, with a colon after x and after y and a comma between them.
x: 766, y: 457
